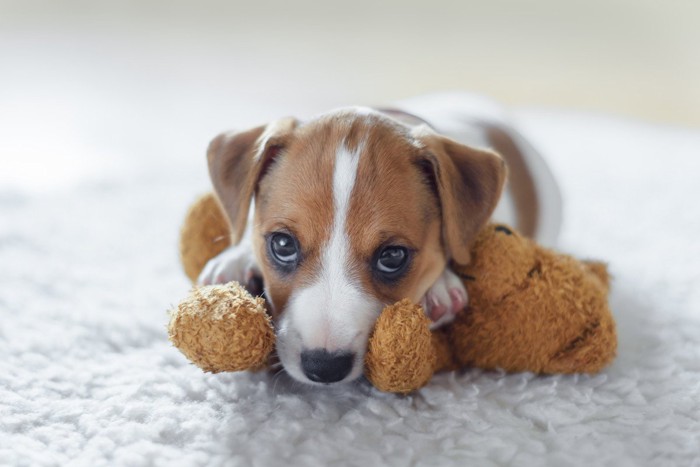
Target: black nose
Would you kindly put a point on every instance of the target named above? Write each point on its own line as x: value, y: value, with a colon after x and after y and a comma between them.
x: 322, y: 366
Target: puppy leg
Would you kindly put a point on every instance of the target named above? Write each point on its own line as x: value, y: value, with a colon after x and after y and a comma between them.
x: 444, y: 299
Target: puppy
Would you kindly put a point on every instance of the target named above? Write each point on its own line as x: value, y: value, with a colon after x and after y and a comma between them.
x: 355, y: 209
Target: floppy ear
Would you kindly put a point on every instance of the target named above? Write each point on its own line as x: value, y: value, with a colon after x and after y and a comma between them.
x: 237, y: 162
x: 468, y: 182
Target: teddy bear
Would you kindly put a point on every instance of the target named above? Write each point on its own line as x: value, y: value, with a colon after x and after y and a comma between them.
x: 530, y: 309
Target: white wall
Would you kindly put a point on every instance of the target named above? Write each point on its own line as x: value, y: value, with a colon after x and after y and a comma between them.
x: 85, y: 78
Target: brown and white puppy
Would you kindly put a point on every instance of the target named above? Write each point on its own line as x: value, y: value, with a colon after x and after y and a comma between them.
x: 343, y: 214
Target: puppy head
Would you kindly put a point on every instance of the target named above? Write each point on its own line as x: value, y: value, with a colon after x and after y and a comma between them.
x: 353, y: 211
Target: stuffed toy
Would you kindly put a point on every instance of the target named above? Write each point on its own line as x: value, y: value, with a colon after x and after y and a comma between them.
x: 530, y: 309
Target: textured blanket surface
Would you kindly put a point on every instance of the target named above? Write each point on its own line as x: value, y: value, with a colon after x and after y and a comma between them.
x: 89, y: 267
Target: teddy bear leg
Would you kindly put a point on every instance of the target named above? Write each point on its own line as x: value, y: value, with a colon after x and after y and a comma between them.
x: 592, y: 350
x: 442, y: 347
x: 596, y: 343
x: 204, y: 234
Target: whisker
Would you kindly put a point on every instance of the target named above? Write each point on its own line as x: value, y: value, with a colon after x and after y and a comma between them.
x: 276, y: 379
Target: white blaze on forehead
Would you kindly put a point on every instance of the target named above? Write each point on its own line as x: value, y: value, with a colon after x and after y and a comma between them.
x: 344, y: 175
x: 334, y: 312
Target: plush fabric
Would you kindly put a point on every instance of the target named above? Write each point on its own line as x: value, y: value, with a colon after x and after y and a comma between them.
x: 401, y: 355
x: 88, y: 376
x: 532, y: 309
x: 222, y: 328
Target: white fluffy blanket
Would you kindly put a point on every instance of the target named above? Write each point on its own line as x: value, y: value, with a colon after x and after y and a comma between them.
x: 88, y: 377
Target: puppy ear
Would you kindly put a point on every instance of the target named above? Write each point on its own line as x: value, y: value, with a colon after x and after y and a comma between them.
x: 468, y: 182
x: 237, y: 163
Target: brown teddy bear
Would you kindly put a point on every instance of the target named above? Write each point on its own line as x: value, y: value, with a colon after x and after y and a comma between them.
x: 530, y: 309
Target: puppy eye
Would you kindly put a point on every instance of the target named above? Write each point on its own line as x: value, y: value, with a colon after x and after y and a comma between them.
x: 283, y: 249
x: 391, y: 261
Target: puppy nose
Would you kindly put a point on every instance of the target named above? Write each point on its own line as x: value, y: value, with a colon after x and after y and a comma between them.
x: 321, y: 366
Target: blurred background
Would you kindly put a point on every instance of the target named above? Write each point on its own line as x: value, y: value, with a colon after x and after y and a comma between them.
x: 86, y: 86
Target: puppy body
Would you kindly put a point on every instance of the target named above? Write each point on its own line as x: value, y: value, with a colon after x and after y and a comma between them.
x: 353, y: 210
x: 531, y: 198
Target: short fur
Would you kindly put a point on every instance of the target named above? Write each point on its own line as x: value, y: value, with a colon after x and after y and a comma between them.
x: 408, y: 186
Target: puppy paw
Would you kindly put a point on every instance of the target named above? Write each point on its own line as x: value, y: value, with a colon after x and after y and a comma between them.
x: 444, y: 299
x: 235, y: 263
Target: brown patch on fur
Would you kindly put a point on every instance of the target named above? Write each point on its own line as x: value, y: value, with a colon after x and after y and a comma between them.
x: 297, y: 196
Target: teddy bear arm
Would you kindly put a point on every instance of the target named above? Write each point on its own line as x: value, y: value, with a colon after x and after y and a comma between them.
x: 401, y: 356
x: 442, y: 348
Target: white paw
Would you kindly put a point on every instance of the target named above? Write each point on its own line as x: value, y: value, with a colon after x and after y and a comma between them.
x: 444, y: 299
x: 235, y: 263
